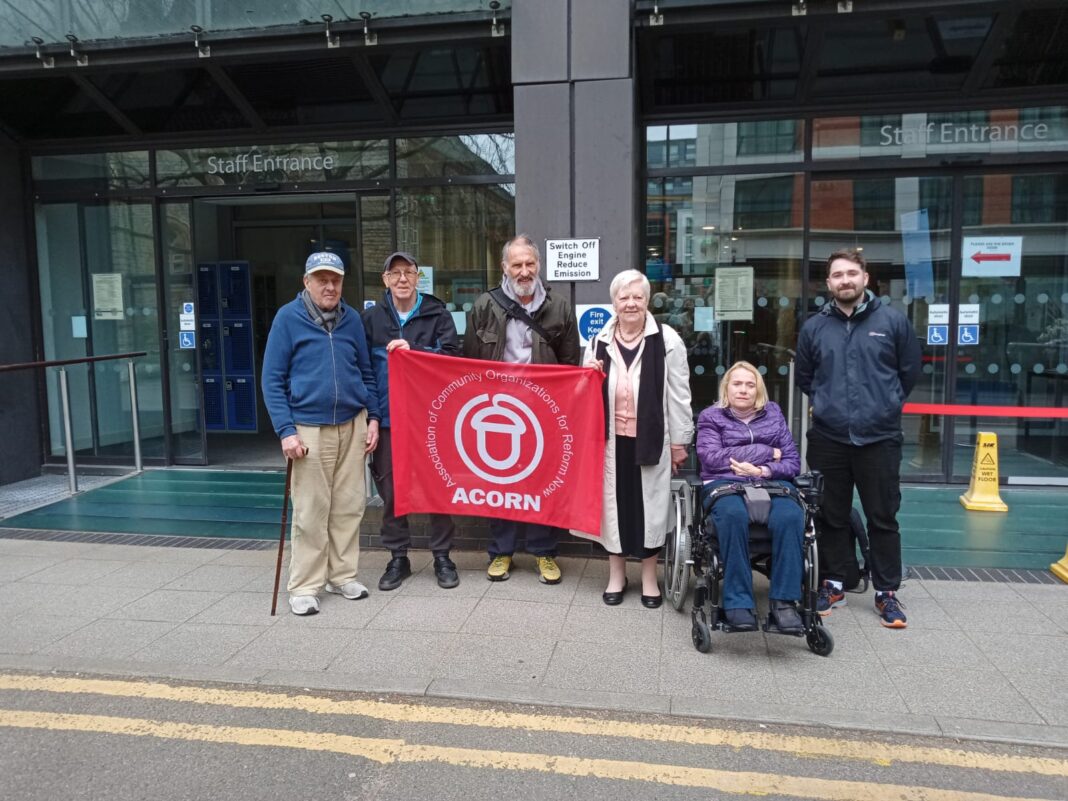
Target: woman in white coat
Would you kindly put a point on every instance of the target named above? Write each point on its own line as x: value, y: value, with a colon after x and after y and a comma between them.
x: 649, y: 427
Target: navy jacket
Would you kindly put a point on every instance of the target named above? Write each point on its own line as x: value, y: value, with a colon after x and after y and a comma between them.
x: 721, y: 437
x: 857, y: 371
x: 429, y: 328
x: 314, y: 377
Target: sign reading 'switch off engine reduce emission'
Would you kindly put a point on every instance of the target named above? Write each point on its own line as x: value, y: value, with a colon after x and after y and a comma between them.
x: 572, y: 259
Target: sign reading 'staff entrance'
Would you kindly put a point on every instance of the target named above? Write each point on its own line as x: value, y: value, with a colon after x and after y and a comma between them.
x: 517, y: 442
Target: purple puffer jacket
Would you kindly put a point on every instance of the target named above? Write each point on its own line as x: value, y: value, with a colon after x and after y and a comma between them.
x: 722, y: 437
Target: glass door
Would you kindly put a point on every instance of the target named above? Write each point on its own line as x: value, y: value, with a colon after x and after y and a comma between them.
x: 1012, y: 341
x: 904, y: 226
x: 187, y: 437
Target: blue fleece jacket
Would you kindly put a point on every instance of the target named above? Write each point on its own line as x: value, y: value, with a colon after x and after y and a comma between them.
x: 313, y: 377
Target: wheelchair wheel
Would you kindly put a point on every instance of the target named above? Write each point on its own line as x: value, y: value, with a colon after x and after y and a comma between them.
x: 677, y: 552
x: 820, y: 641
x: 701, y: 635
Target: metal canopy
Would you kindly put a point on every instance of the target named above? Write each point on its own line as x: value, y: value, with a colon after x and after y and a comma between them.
x: 420, y: 73
x: 764, y: 57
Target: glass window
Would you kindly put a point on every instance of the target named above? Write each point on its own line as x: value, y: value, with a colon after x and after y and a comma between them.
x: 127, y: 170
x: 697, y: 239
x: 1027, y: 130
x: 467, y: 154
x: 456, y: 233
x: 1020, y: 357
x: 273, y: 164
x: 170, y: 100
x: 906, y: 53
x: 1036, y: 51
x: 98, y: 297
x: 907, y: 247
x: 719, y: 144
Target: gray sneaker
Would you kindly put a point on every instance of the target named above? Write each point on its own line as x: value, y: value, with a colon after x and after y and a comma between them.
x: 352, y: 590
x: 303, y: 604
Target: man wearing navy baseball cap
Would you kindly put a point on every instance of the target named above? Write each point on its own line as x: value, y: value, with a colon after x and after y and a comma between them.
x: 319, y: 388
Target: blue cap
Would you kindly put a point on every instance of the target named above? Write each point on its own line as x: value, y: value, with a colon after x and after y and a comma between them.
x: 324, y: 261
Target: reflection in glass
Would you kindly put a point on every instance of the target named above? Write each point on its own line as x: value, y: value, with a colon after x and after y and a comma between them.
x: 466, y: 154
x: 907, y: 246
x: 457, y: 232
x: 1021, y: 358
x: 741, y: 234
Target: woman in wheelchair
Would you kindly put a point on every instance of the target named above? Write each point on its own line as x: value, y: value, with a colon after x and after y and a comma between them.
x: 744, y: 438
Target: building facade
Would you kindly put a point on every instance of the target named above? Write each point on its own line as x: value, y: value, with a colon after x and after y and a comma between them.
x: 172, y: 153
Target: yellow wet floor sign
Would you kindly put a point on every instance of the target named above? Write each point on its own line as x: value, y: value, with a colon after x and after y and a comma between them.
x: 982, y: 494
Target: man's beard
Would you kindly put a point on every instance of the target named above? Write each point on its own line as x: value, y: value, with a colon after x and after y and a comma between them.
x: 849, y: 293
x: 523, y: 290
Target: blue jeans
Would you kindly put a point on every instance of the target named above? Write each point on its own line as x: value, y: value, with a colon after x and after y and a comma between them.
x: 786, y: 522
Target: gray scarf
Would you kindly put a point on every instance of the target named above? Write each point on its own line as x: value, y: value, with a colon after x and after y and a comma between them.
x: 324, y: 319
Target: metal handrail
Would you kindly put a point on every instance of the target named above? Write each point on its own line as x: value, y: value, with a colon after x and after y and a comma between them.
x: 6, y: 368
x: 64, y: 396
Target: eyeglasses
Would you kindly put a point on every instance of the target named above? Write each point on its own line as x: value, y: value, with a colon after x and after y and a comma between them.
x: 394, y: 275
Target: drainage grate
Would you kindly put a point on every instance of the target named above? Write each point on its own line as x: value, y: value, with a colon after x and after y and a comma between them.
x: 997, y: 575
x: 157, y: 540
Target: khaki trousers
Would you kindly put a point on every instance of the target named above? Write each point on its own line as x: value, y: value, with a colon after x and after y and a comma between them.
x: 328, y: 504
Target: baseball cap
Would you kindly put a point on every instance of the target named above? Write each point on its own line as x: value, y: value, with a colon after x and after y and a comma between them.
x: 400, y: 254
x: 324, y: 261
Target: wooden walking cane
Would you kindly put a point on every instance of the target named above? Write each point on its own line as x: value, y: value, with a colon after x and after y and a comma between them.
x: 282, y: 536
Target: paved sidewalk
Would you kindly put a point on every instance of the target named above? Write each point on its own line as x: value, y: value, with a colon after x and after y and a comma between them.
x: 980, y: 659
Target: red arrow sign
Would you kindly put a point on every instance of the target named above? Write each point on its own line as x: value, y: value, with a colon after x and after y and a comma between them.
x: 981, y: 257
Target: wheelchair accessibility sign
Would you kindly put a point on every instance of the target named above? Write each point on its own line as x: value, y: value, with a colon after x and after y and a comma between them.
x: 187, y: 340
x: 938, y: 335
x: 967, y: 335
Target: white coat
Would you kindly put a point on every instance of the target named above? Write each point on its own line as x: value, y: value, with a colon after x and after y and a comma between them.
x: 678, y: 430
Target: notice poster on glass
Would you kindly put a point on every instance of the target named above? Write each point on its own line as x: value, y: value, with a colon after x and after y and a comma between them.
x: 107, y: 296
x: 916, y: 244
x: 734, y: 293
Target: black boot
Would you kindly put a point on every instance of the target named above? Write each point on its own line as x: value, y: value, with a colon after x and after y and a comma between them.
x: 398, y: 569
x: 445, y: 571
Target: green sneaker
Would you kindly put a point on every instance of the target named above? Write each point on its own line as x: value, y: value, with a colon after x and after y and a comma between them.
x: 548, y: 570
x: 499, y: 567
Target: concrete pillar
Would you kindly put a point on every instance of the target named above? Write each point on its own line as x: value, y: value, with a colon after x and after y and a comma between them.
x: 19, y: 413
x: 577, y: 138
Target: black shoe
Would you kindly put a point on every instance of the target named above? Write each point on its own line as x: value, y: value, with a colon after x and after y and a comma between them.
x: 652, y: 601
x: 784, y: 617
x: 741, y: 619
x: 445, y: 571
x: 614, y: 598
x: 398, y: 569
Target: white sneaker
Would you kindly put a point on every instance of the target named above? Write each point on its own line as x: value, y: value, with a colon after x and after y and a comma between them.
x: 303, y: 604
x: 352, y: 590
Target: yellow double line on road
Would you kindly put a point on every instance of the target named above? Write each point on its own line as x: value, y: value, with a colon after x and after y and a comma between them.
x: 387, y: 751
x: 392, y: 750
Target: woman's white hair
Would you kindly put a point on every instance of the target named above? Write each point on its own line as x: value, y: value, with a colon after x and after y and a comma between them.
x: 626, y: 278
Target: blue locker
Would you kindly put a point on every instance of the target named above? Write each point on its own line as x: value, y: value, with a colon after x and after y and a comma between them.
x: 214, y: 403
x: 237, y: 341
x: 208, y: 290
x: 241, y: 403
x: 210, y: 346
x: 235, y: 289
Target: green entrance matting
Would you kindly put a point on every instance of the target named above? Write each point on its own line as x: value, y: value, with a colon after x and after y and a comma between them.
x: 190, y: 503
x: 936, y: 529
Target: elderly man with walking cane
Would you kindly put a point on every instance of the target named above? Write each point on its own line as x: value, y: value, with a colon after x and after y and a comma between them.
x: 319, y: 388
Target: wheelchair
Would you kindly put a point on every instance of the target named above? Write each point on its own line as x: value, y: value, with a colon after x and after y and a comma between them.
x: 692, y: 552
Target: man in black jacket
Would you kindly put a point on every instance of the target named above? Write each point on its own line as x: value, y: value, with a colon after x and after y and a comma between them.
x: 407, y: 320
x: 858, y: 359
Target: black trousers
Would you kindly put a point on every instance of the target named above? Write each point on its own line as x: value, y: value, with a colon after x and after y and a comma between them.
x: 395, y: 532
x: 875, y: 470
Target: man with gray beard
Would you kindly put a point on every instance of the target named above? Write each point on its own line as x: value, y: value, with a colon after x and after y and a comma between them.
x: 522, y: 322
